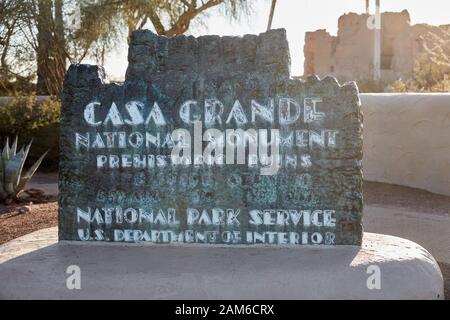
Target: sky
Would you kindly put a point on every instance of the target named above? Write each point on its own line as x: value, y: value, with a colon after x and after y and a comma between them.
x: 297, y: 17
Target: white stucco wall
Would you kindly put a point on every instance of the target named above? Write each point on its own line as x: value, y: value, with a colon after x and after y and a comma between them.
x: 407, y: 140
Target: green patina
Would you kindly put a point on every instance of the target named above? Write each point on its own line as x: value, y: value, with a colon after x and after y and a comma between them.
x: 107, y: 194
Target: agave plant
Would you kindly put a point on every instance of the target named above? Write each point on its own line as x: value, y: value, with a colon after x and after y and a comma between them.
x: 12, y: 182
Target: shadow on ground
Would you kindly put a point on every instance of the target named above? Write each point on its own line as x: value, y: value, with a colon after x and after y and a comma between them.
x: 445, y: 269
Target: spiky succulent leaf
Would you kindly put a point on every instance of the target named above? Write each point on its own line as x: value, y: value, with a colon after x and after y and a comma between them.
x: 5, y: 153
x: 14, y: 147
x: 29, y: 174
x: 12, y: 181
x: 18, y: 166
x: 36, y: 165
x: 22, y: 183
x: 25, y: 151
x: 3, y: 193
x: 13, y: 171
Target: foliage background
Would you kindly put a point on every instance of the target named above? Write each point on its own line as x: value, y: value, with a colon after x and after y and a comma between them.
x: 33, y: 118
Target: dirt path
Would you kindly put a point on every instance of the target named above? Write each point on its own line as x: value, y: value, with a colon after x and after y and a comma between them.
x: 417, y: 200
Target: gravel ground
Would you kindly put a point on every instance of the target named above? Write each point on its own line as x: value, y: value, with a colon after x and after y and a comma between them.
x: 14, y: 224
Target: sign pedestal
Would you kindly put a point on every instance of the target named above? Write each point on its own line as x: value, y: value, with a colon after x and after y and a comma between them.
x: 128, y: 271
x: 214, y: 214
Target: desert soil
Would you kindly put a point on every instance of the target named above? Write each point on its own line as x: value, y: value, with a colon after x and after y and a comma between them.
x: 14, y: 224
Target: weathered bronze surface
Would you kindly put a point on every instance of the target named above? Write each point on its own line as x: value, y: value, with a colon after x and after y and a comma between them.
x: 108, y: 131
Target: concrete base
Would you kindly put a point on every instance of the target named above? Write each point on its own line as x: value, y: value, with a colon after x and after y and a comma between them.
x: 110, y: 271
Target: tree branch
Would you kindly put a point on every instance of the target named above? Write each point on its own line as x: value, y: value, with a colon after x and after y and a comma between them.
x: 156, y: 21
x: 182, y: 25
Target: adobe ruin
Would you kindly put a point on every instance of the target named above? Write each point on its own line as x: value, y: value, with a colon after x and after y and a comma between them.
x: 349, y: 55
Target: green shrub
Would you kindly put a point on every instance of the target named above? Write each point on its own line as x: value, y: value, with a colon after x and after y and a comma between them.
x: 431, y: 74
x: 29, y: 113
x: 32, y: 117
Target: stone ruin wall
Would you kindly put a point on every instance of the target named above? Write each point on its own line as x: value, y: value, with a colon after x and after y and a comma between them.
x: 349, y: 55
